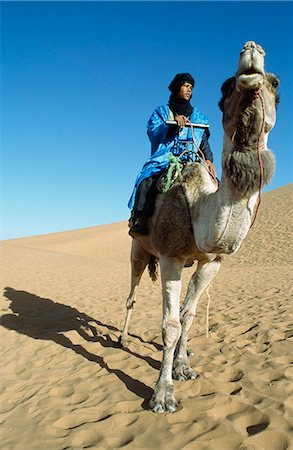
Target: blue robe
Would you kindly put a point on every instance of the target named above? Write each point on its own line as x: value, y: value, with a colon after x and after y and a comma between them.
x: 164, y: 146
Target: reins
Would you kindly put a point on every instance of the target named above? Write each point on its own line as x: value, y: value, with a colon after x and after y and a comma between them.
x: 261, y: 179
x: 174, y: 167
x: 201, y: 153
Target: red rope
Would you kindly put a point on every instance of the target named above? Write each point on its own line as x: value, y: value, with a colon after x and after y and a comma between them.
x: 261, y: 180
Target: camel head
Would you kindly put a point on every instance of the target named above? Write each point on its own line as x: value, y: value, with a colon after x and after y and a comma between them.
x: 248, y: 103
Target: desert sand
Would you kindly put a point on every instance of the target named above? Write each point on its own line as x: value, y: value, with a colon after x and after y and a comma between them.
x: 65, y: 384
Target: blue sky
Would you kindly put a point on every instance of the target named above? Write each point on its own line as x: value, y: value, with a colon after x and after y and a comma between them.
x: 80, y: 80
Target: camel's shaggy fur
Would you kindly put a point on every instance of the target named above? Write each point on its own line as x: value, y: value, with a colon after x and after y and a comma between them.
x: 243, y: 170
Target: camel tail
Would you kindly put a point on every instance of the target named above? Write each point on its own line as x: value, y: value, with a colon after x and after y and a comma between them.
x: 153, y: 268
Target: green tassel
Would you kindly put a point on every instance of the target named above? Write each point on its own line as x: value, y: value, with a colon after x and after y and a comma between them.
x: 174, y: 168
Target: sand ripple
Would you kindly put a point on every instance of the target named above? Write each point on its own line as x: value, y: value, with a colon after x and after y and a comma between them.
x: 66, y: 384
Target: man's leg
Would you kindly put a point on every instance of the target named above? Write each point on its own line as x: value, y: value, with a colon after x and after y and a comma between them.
x: 144, y: 205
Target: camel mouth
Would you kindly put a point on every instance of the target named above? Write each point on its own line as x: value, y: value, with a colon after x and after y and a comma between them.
x: 250, y: 74
x: 251, y: 71
x: 249, y: 80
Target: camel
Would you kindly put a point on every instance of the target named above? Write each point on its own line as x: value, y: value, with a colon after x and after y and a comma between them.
x: 198, y: 220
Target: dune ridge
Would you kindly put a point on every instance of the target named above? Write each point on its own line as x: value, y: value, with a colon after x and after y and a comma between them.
x: 65, y: 383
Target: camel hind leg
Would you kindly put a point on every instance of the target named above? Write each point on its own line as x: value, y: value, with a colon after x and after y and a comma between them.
x: 139, y: 260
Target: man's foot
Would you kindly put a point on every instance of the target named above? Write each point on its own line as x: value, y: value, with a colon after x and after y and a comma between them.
x: 139, y: 227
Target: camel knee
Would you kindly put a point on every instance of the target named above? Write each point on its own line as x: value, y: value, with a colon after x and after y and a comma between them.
x: 130, y: 303
x: 171, y: 333
x: 186, y: 318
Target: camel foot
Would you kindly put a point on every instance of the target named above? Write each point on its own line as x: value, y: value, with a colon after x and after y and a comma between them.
x: 189, y: 351
x: 182, y: 370
x: 163, y: 399
x: 123, y: 341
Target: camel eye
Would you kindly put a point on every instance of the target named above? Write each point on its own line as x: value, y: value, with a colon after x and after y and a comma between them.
x: 273, y: 80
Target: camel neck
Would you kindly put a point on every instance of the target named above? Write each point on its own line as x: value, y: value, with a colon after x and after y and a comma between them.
x: 224, y: 219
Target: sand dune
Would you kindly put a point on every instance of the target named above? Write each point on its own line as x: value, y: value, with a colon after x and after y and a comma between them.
x: 66, y: 385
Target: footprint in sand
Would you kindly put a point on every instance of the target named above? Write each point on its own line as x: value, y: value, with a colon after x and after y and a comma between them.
x: 86, y: 438
x: 62, y: 391
x: 287, y: 359
x: 251, y: 420
x: 227, y: 407
x: 251, y: 397
x: 200, y: 387
x: 120, y: 441
x: 267, y: 440
x: 245, y: 418
x: 257, y: 348
x: 281, y: 335
x: 289, y: 373
x: 231, y: 374
x: 125, y: 420
x: 266, y: 375
x: 79, y: 398
x: 288, y: 403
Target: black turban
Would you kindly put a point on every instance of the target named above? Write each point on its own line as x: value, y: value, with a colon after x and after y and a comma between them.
x: 179, y: 80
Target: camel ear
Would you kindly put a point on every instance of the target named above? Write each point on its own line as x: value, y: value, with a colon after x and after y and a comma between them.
x: 221, y: 104
x: 274, y: 82
x: 272, y: 79
x: 226, y: 89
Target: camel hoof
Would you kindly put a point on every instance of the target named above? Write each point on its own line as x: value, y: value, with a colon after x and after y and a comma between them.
x: 190, y: 352
x: 158, y: 409
x: 182, y: 372
x: 122, y: 341
x: 163, y: 399
x: 171, y: 408
x: 185, y: 376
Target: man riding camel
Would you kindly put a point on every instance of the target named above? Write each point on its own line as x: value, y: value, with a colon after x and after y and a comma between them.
x: 166, y: 141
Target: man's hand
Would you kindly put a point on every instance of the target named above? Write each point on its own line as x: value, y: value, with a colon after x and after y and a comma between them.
x: 181, y: 120
x: 211, y: 168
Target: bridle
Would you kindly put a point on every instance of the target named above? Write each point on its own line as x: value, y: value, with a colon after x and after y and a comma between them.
x: 258, y: 95
x: 260, y: 138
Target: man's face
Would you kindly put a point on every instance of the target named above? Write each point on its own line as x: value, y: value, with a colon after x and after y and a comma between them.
x: 185, y: 92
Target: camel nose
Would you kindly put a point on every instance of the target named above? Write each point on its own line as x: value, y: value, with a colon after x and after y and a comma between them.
x: 251, y: 65
x: 249, y: 44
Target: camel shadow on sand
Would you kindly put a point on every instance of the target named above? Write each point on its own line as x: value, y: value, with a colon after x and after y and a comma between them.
x: 42, y: 318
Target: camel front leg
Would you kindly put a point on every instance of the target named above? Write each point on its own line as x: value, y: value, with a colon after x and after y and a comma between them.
x: 199, y: 281
x: 163, y: 398
x: 139, y: 260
